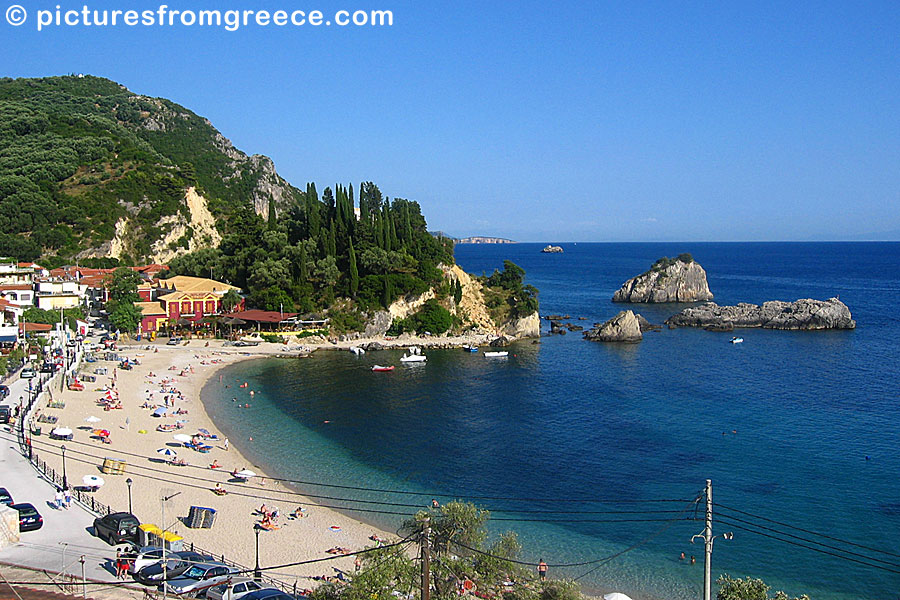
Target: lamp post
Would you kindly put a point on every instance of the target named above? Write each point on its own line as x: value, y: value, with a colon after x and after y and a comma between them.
x: 257, y: 574
x: 128, y: 482
x: 65, y: 481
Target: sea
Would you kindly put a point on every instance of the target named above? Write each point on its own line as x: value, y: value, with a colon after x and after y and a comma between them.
x: 597, y: 455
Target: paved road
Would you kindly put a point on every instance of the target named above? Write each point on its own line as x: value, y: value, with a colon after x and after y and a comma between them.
x: 65, y: 536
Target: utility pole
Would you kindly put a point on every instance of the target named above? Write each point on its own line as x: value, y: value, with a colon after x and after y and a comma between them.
x: 708, y: 538
x: 83, y: 580
x: 426, y: 561
x: 165, y: 563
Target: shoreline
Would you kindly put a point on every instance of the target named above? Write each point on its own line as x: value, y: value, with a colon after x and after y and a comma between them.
x: 191, y: 367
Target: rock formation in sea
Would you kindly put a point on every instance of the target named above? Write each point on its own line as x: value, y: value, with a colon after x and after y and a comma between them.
x: 801, y: 314
x: 669, y: 280
x: 552, y: 250
x: 624, y: 327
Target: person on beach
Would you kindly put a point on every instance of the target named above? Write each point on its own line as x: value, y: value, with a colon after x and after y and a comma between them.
x: 542, y: 570
x: 120, y: 564
x: 58, y: 498
x: 226, y: 444
x: 68, y: 497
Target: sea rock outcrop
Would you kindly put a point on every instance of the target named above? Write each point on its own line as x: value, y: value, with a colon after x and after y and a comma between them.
x: 806, y: 314
x: 523, y: 327
x: 668, y: 280
x: 624, y: 327
x: 552, y: 250
x: 378, y: 324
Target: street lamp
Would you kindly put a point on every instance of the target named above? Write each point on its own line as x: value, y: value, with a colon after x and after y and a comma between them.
x: 128, y: 482
x: 65, y: 481
x: 257, y: 574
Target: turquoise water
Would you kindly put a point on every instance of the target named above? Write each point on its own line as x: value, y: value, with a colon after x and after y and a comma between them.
x: 579, y: 431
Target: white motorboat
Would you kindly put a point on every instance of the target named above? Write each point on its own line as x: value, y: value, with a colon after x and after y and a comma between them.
x: 502, y: 354
x: 737, y: 340
x: 357, y: 350
x: 413, y: 358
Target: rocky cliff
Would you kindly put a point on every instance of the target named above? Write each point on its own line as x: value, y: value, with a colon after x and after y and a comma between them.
x: 669, y: 280
x: 806, y: 314
x: 624, y: 327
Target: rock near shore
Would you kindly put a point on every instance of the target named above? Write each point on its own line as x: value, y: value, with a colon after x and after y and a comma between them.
x: 668, y: 280
x: 805, y: 314
x: 624, y: 327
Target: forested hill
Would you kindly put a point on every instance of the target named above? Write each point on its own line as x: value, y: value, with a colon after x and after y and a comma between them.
x: 88, y: 168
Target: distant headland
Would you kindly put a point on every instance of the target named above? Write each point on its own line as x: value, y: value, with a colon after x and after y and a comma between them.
x: 481, y: 239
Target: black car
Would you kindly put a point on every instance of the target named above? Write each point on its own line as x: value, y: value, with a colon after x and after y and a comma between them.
x: 5, y: 414
x: 29, y: 518
x: 48, y: 368
x: 5, y: 497
x: 117, y: 528
x: 4, y: 391
x: 175, y: 566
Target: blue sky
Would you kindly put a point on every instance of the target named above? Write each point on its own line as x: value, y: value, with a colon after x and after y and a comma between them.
x: 544, y: 121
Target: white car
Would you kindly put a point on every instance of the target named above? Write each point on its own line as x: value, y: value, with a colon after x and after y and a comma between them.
x: 144, y: 557
x: 238, y: 587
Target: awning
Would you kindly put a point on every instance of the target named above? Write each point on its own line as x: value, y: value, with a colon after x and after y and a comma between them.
x: 8, y: 338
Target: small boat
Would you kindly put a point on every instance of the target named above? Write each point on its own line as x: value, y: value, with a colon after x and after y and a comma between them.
x: 413, y: 358
x: 381, y: 368
x: 737, y: 340
x: 357, y: 350
x: 251, y: 340
x: 502, y: 354
x: 468, y: 348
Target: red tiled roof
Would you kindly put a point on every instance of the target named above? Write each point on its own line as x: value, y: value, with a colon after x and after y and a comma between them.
x: 35, y: 327
x: 16, y: 286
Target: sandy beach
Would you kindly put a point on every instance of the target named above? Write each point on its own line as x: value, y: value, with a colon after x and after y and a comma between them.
x: 180, y: 372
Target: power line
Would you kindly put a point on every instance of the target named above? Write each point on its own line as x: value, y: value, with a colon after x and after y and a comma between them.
x: 835, y: 539
x: 813, y: 548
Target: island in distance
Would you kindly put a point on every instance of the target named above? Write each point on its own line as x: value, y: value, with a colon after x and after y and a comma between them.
x: 552, y: 250
x: 679, y: 279
x: 804, y: 314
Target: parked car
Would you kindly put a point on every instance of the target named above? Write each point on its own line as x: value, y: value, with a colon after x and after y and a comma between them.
x: 269, y: 594
x: 5, y: 497
x: 174, y: 567
x: 174, y: 341
x: 233, y: 590
x: 117, y: 528
x: 29, y: 518
x: 27, y: 373
x: 5, y: 414
x: 4, y: 391
x: 143, y: 557
x: 199, y: 578
x: 48, y: 368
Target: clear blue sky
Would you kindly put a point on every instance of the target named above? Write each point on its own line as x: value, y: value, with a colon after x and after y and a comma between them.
x: 545, y: 121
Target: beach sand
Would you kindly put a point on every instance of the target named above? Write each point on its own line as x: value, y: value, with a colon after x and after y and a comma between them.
x: 233, y: 531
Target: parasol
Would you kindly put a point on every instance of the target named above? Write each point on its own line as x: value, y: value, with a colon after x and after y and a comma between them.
x: 92, y: 480
x: 167, y: 452
x: 92, y: 419
x: 182, y: 437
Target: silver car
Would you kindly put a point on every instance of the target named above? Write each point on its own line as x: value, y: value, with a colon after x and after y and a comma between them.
x: 199, y: 578
x: 144, y: 557
x: 233, y: 590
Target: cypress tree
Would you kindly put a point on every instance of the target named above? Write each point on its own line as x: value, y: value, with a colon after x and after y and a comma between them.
x: 272, y: 221
x: 304, y: 273
x: 354, y: 272
x: 457, y: 292
x: 388, y: 292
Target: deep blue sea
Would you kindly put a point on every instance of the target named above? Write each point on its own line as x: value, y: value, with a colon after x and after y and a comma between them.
x: 590, y: 449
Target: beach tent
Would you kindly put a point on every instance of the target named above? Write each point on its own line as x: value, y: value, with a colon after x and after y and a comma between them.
x: 616, y: 596
x: 160, y: 411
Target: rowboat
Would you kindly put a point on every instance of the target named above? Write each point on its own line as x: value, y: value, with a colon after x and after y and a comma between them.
x: 413, y: 358
x: 381, y: 368
x: 502, y: 354
x: 468, y: 348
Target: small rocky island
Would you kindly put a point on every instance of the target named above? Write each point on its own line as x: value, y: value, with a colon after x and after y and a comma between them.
x: 805, y: 314
x: 678, y: 279
x: 552, y: 249
x: 627, y: 326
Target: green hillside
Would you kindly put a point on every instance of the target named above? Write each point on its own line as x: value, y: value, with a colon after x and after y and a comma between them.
x: 79, y: 153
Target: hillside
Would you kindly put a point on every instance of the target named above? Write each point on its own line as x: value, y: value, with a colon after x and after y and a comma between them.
x: 88, y: 168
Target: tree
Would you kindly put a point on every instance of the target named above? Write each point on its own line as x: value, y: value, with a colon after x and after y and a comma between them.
x: 354, y: 272
x: 433, y: 317
x: 123, y: 314
x: 230, y: 300
x: 748, y: 589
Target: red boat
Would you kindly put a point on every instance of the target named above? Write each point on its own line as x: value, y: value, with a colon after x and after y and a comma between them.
x: 380, y: 368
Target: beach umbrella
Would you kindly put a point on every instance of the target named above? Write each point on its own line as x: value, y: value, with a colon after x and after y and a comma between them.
x: 203, y: 431
x: 245, y: 474
x: 101, y: 433
x: 160, y: 411
x: 92, y: 480
x: 616, y: 596
x: 92, y: 419
x: 62, y: 431
x: 167, y: 452
x: 182, y: 437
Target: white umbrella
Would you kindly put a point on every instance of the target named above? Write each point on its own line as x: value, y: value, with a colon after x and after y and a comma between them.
x: 245, y: 474
x: 167, y: 452
x: 616, y: 596
x: 92, y: 480
x: 182, y: 437
x: 62, y: 431
x: 92, y: 419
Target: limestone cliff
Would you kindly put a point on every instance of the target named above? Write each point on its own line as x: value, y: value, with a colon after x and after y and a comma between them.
x: 669, y: 280
x: 806, y: 314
